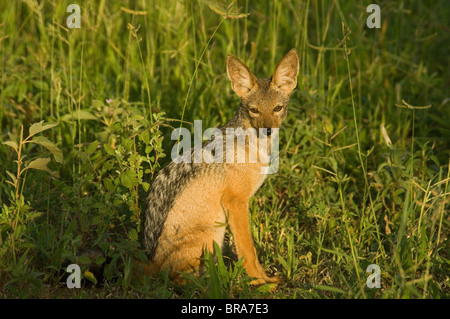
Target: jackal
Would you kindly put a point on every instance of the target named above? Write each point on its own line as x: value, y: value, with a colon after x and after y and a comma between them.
x: 190, y: 203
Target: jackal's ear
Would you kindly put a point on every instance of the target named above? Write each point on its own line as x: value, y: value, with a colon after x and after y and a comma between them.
x: 285, y: 75
x: 243, y: 82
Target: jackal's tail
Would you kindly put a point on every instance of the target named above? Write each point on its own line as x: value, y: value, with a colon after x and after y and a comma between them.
x: 142, y: 268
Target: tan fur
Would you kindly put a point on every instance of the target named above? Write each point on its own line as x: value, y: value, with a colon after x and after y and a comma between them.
x: 220, y: 193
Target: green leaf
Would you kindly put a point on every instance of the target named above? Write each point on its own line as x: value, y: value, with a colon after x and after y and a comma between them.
x: 12, y: 144
x: 79, y: 115
x: 100, y: 260
x: 127, y: 144
x: 38, y: 127
x: 283, y: 262
x: 85, y: 260
x: 57, y: 153
x: 90, y: 276
x: 22, y: 91
x: 92, y: 147
x: 40, y: 85
x: 13, y: 177
x: 116, y: 126
x: 41, y: 164
x: 97, y: 104
x: 214, y: 284
x: 221, y: 268
x: 266, y: 288
x: 145, y: 137
x: 146, y: 186
x: 129, y: 179
x: 132, y: 234
x: 109, y: 150
x: 32, y: 216
x: 12, y: 137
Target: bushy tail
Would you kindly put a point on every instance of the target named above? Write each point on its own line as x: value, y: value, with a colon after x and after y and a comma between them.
x: 144, y: 268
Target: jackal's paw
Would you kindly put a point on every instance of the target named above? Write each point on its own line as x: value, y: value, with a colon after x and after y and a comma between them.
x: 273, y: 279
x: 265, y: 280
x: 258, y: 282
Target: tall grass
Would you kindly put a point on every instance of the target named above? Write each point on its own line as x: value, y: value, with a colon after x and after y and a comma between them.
x: 364, y: 170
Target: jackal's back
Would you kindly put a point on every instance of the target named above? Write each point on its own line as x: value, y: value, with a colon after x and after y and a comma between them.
x: 169, y: 183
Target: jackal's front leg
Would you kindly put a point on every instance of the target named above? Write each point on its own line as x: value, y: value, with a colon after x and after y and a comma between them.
x: 238, y: 217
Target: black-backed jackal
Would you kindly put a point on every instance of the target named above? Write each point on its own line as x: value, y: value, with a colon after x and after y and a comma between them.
x: 190, y: 203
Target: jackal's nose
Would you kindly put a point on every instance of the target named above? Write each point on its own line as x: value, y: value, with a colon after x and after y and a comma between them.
x: 265, y: 131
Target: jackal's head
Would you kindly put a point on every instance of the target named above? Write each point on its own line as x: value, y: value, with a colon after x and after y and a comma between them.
x: 264, y: 101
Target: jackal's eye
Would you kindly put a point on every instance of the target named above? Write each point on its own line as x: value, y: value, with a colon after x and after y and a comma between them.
x: 278, y: 108
x: 254, y: 110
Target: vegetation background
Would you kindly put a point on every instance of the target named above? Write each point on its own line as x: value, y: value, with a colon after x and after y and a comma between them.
x: 85, y: 122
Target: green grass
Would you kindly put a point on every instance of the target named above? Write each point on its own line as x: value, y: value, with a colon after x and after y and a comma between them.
x: 364, y: 152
